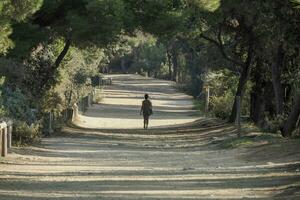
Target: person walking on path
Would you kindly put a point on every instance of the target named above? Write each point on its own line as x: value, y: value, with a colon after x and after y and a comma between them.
x: 146, y: 110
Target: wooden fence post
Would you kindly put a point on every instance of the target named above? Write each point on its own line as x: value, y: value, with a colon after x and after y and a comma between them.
x: 89, y: 100
x: 4, y: 139
x: 238, y: 115
x: 92, y: 96
x: 9, y: 134
x: 75, y: 112
x: 100, y: 81
x: 1, y: 145
x: 50, y: 129
x: 207, y: 94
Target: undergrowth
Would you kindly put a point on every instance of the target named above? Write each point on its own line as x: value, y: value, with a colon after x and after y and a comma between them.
x: 248, y: 140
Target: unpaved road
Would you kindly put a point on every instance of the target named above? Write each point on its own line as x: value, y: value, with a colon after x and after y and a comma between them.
x: 170, y: 163
x: 121, y: 103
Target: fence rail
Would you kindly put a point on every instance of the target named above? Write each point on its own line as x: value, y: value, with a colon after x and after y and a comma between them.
x: 5, y: 137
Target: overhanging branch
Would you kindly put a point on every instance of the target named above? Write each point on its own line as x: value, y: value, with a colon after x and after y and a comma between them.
x: 64, y: 52
x: 220, y: 45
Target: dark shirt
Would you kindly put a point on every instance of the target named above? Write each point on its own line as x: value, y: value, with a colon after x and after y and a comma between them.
x: 147, y: 107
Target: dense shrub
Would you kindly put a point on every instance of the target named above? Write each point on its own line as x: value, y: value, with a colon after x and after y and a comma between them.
x: 24, y: 133
x: 221, y: 105
x: 17, y: 104
x: 271, y: 124
x: 2, y: 109
x: 222, y: 85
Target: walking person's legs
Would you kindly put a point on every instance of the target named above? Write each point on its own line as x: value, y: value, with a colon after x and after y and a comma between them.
x: 146, y: 121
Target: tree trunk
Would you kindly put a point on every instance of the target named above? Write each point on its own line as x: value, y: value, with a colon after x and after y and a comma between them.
x: 240, y: 91
x: 70, y: 98
x: 294, y: 115
x: 123, y: 67
x: 175, y: 65
x: 63, y: 53
x: 242, y: 81
x: 268, y: 97
x: 51, y: 78
x: 276, y: 80
x: 257, y: 104
x: 169, y: 64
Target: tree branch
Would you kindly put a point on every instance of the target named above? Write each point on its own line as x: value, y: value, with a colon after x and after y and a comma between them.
x: 220, y: 45
x: 64, y: 52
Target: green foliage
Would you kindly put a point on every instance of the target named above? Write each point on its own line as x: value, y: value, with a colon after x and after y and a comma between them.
x: 271, y: 124
x: 52, y: 101
x: 24, y: 133
x: 105, y: 18
x: 199, y: 105
x: 73, y: 77
x: 161, y: 18
x: 13, y: 71
x: 17, y: 104
x: 12, y: 11
x: 296, y: 3
x: 26, y: 38
x: 209, y: 5
x: 150, y: 58
x: 2, y: 108
x: 5, y: 42
x: 96, y: 22
x: 192, y: 42
x: 40, y: 75
x: 293, y: 78
x: 223, y: 85
x: 221, y: 105
x: 19, y: 10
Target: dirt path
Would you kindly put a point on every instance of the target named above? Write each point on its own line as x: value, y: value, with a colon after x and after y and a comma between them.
x: 120, y: 107
x: 172, y: 163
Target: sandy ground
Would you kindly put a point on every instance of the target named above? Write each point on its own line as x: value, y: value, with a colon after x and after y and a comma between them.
x: 121, y: 103
x: 166, y: 163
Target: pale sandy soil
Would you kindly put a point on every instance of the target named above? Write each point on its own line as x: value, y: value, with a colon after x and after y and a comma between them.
x: 171, y: 163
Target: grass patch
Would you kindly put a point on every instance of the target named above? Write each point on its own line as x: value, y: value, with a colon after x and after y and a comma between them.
x: 248, y: 140
x: 250, y: 128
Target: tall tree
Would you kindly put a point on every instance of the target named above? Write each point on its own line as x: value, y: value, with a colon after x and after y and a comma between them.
x: 12, y: 12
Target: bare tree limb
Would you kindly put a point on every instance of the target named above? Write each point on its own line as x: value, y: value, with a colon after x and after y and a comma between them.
x: 64, y: 52
x: 220, y: 45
